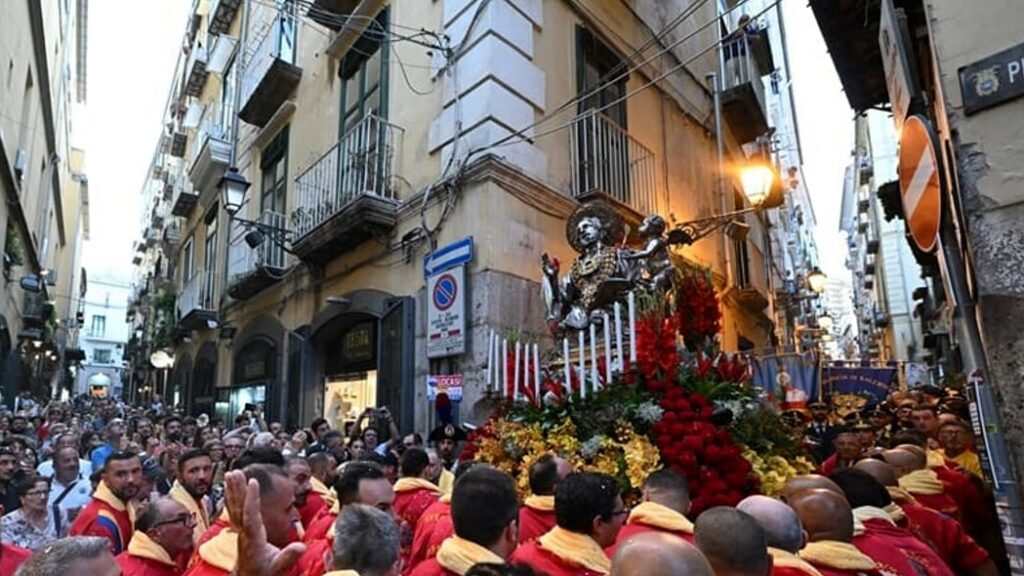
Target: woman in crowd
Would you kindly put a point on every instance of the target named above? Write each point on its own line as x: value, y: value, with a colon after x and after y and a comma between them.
x: 32, y: 526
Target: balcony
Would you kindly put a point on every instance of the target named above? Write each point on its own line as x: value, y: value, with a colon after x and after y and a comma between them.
x: 185, y: 198
x: 178, y: 142
x: 211, y: 156
x: 608, y: 164
x: 35, y: 310
x: 197, y: 302
x: 331, y: 13
x: 151, y: 237
x: 172, y: 235
x: 347, y: 195
x: 270, y: 74
x: 196, y: 72
x: 743, y: 99
x: 250, y: 270
x: 221, y: 15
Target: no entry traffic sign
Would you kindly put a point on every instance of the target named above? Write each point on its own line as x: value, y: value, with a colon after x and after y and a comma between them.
x: 919, y: 182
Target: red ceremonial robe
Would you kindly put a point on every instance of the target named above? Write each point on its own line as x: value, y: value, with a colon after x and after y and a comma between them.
x: 308, y: 511
x: 312, y: 561
x: 563, y: 553
x: 653, y: 517
x: 926, y: 487
x: 536, y: 517
x: 145, y: 557
x: 321, y: 525
x: 107, y: 516
x: 11, y: 557
x: 412, y: 498
x: 945, y: 535
x: 455, y: 557
x: 435, y: 526
x: 785, y: 563
x: 832, y: 463
x: 894, y: 549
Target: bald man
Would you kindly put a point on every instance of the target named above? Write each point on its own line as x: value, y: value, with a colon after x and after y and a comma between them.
x: 783, y: 532
x: 658, y: 554
x: 910, y: 466
x: 828, y: 520
x: 876, y: 533
x: 798, y: 484
x: 733, y: 543
x: 666, y: 500
x: 944, y: 534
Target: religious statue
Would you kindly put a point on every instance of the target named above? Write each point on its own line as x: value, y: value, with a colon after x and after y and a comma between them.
x: 657, y: 273
x: 599, y: 275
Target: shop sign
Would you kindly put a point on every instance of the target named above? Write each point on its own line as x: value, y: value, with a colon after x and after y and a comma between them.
x: 896, y: 62
x: 357, y: 343
x: 450, y: 384
x: 993, y: 80
x: 446, y: 313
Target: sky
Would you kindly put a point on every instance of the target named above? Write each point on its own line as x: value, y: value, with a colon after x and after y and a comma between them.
x: 826, y: 129
x: 129, y: 74
x: 131, y: 57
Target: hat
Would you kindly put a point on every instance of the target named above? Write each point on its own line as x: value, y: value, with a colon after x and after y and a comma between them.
x: 817, y: 404
x: 862, y: 426
x: 447, y: 432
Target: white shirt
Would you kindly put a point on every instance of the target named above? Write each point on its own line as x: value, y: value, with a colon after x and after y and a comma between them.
x: 46, y: 468
x: 77, y: 497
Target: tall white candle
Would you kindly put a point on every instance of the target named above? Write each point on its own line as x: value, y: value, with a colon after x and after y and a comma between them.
x: 565, y: 365
x: 515, y: 365
x: 494, y: 362
x: 595, y: 374
x: 504, y: 367
x: 490, y: 357
x: 607, y: 351
x: 618, y: 337
x: 582, y: 373
x: 632, y: 328
x: 521, y: 392
x: 536, y: 373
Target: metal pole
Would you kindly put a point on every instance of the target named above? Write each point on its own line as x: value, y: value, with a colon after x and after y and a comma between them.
x: 713, y: 82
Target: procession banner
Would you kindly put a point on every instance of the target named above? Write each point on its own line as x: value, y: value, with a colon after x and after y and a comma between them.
x: 790, y: 379
x: 871, y: 383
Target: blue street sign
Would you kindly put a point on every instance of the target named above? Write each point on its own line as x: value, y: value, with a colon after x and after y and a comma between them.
x: 448, y: 257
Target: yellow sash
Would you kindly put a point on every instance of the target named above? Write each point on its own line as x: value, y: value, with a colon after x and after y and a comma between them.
x: 320, y: 488
x: 221, y: 551
x: 834, y: 554
x: 900, y: 495
x: 446, y: 498
x: 924, y: 482
x: 446, y: 482
x: 180, y: 495
x: 142, y: 546
x: 895, y: 512
x: 786, y: 559
x: 935, y: 459
x: 577, y: 549
x: 540, y: 503
x: 460, y: 555
x: 410, y: 484
x: 868, y: 513
x: 659, y: 516
x: 336, y: 507
x: 341, y: 573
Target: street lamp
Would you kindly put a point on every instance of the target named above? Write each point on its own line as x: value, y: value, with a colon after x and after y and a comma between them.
x: 758, y: 181
x: 825, y: 323
x: 233, y: 187
x: 816, y: 280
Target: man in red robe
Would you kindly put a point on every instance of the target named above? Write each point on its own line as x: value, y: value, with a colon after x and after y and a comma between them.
x: 783, y: 533
x: 589, y: 513
x: 110, y: 513
x: 944, y: 534
x: 321, y: 466
x: 485, y: 507
x: 358, y: 483
x: 218, y: 555
x: 877, y: 535
x: 413, y: 492
x: 666, y: 500
x: 923, y: 484
x: 828, y: 520
x: 848, y: 452
x: 537, y: 515
x: 435, y: 526
x: 659, y: 554
x: 163, y: 536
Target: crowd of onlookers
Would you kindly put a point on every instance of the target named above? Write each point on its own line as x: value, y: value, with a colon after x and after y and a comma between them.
x: 97, y: 486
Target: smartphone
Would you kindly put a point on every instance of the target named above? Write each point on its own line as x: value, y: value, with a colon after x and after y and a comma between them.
x: 250, y: 407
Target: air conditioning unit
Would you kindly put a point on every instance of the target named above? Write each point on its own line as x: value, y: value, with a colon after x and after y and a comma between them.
x: 20, y: 164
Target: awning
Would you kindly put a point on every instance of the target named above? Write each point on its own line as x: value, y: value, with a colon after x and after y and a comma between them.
x: 850, y: 30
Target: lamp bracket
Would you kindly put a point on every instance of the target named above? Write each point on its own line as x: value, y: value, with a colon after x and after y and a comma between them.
x: 686, y: 233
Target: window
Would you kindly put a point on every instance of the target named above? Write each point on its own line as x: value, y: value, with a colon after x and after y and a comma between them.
x: 741, y: 250
x: 285, y: 30
x: 364, y: 77
x: 227, y: 100
x: 188, y: 254
x: 596, y: 64
x: 274, y: 179
x: 209, y: 258
x: 102, y: 356
x: 99, y: 326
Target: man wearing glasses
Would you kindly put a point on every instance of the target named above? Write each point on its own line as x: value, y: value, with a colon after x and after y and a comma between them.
x: 162, y: 541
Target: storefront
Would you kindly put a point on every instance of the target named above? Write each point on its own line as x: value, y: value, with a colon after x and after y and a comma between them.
x: 254, y: 374
x: 180, y: 382
x: 363, y: 357
x: 204, y: 381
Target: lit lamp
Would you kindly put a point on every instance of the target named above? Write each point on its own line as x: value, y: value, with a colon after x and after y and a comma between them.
x: 233, y: 187
x: 825, y: 322
x: 816, y: 280
x: 757, y: 181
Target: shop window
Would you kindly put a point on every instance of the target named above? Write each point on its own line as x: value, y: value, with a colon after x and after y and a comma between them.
x: 274, y: 174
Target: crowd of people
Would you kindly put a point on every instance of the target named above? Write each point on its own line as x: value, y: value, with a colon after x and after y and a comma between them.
x: 98, y: 487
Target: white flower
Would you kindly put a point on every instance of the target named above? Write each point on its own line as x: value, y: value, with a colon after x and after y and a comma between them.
x: 591, y: 447
x: 649, y: 412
